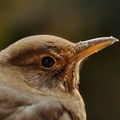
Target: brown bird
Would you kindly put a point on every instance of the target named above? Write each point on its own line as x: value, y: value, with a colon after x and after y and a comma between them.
x: 39, y: 77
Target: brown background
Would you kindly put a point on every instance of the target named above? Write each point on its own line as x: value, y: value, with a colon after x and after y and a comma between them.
x: 74, y: 20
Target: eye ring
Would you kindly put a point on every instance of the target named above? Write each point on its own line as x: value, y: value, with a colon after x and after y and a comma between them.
x: 48, y: 62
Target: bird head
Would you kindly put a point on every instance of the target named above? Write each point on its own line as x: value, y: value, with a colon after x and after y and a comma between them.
x: 49, y: 62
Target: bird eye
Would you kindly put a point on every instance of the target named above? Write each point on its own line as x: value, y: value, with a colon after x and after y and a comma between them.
x: 47, y: 62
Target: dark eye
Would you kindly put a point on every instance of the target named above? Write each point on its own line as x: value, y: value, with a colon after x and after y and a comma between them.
x: 47, y: 62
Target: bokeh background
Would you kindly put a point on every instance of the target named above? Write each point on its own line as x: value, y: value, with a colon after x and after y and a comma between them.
x: 74, y: 20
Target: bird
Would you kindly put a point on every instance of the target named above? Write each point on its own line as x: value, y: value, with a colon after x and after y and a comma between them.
x: 39, y: 77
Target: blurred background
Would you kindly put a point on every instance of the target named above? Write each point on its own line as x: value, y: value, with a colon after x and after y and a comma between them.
x: 74, y: 20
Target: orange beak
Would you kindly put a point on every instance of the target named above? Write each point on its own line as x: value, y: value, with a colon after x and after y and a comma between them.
x: 86, y: 48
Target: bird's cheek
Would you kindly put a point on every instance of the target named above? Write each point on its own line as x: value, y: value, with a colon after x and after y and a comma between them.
x: 71, y: 76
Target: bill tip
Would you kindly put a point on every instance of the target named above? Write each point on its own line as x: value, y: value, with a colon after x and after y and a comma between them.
x: 114, y: 39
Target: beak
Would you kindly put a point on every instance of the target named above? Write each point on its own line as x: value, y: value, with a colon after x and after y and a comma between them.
x: 86, y: 48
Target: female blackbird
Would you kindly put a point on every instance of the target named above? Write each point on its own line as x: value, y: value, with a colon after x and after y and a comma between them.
x: 39, y: 77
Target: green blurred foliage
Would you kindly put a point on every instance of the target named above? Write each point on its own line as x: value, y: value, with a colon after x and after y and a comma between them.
x: 74, y: 20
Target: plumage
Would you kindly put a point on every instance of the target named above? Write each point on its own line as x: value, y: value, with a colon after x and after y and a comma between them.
x: 39, y: 78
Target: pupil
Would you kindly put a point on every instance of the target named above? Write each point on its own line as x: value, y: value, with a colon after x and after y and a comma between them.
x: 47, y: 62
